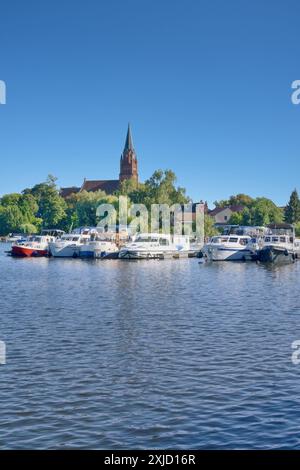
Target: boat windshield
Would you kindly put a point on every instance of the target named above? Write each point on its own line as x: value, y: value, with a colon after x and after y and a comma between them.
x: 70, y: 238
x: 281, y: 239
x: 244, y: 241
x: 146, y: 239
x: 219, y: 240
x: 34, y: 239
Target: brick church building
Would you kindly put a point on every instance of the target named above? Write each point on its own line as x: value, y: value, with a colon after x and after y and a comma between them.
x: 128, y: 170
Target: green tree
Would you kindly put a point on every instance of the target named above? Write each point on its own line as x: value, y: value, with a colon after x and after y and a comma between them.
x: 82, y: 207
x: 237, y: 200
x: 127, y: 187
x: 12, y: 199
x: 18, y: 211
x: 160, y: 188
x: 28, y: 228
x: 209, y: 226
x: 11, y: 219
x: 222, y: 203
x: 51, y: 206
x: 292, y: 210
x: 297, y: 229
x: 29, y: 208
x: 262, y: 212
x: 241, y: 200
x: 236, y: 218
x: 247, y: 217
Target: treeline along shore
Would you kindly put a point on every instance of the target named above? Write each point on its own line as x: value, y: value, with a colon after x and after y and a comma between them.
x: 42, y: 206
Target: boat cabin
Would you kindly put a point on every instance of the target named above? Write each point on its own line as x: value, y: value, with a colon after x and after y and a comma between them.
x: 240, y: 240
x: 278, y: 239
x: 163, y: 240
x: 52, y: 232
x: 73, y: 237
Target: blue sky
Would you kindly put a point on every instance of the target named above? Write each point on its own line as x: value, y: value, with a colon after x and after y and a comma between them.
x: 206, y: 86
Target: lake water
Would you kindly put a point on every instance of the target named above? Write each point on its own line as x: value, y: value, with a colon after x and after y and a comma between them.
x: 157, y: 354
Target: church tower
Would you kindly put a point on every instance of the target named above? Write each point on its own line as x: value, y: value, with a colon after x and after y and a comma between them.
x: 128, y: 163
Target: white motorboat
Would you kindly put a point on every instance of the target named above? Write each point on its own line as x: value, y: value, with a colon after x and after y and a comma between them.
x: 229, y: 248
x: 156, y: 246
x: 14, y: 238
x: 97, y: 248
x: 68, y: 246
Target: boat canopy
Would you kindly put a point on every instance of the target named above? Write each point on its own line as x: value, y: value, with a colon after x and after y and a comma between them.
x: 52, y: 232
x: 281, y: 226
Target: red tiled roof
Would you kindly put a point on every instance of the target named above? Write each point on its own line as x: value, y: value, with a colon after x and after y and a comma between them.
x: 217, y: 210
x: 237, y: 208
x: 108, y: 186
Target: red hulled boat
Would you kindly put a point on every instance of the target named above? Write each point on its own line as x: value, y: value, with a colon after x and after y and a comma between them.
x: 33, y: 246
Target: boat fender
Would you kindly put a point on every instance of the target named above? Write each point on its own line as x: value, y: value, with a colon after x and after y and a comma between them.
x: 286, y: 253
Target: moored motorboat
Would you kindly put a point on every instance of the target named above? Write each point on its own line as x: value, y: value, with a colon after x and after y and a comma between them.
x: 156, y: 246
x: 36, y: 245
x: 14, y: 238
x: 68, y: 246
x: 279, y: 245
x: 97, y: 248
x: 229, y: 248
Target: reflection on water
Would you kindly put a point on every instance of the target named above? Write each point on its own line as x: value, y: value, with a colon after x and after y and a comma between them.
x: 158, y: 354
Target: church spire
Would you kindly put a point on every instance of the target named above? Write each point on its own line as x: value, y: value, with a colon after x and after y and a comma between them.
x: 128, y: 143
x: 128, y: 163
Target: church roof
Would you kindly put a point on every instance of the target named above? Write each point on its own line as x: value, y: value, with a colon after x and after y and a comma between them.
x: 65, y: 192
x: 108, y: 186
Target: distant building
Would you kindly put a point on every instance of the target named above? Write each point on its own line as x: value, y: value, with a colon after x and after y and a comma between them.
x: 221, y: 215
x: 190, y: 211
x: 128, y: 170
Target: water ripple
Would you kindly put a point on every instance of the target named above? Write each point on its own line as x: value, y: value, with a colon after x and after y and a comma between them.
x: 148, y: 355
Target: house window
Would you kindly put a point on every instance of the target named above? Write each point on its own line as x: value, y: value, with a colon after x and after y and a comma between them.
x: 225, y: 217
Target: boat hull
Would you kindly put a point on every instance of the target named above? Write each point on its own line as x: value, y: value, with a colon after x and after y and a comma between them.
x: 272, y: 255
x: 132, y: 254
x: 25, y: 251
x: 67, y: 251
x: 228, y: 254
x: 126, y: 254
x: 87, y: 254
x: 98, y: 249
